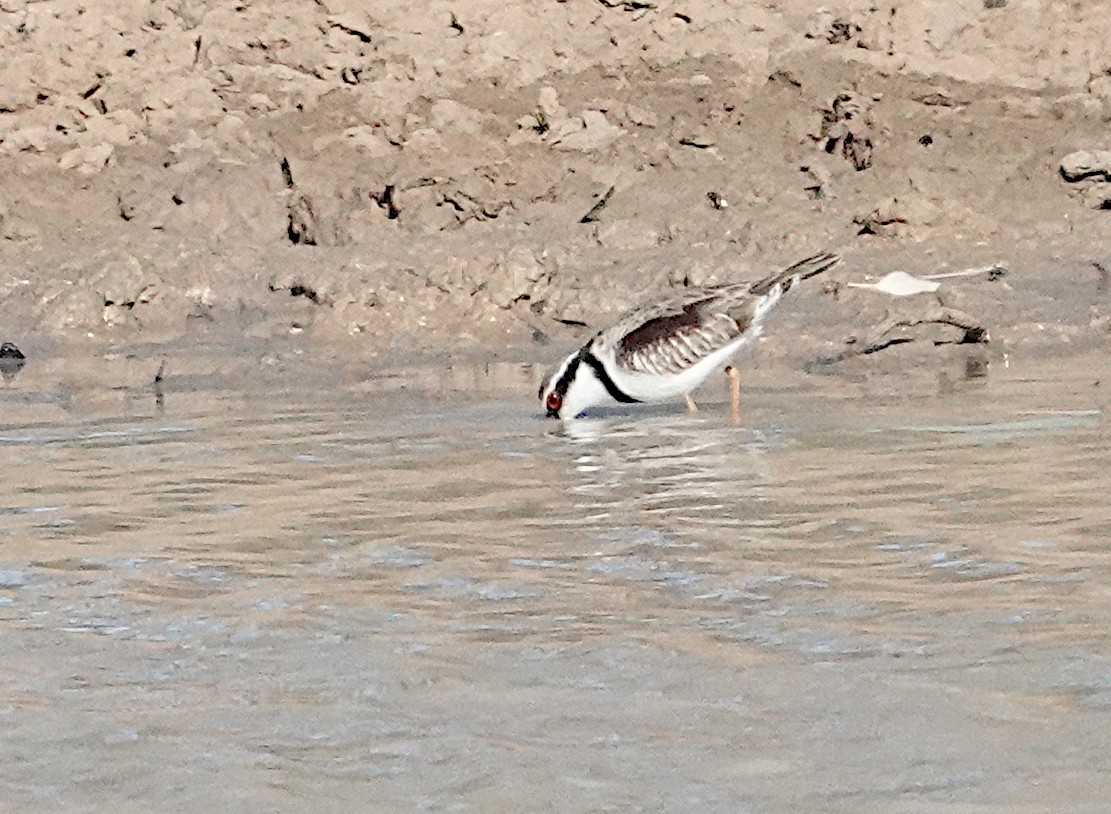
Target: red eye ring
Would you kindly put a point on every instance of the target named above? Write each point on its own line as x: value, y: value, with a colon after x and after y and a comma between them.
x: 554, y: 401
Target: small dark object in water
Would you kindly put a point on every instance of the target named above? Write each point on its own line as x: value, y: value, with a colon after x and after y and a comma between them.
x: 159, y: 396
x: 12, y: 361
x: 975, y: 367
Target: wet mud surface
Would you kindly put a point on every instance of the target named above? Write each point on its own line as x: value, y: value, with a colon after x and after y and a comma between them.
x: 488, y: 174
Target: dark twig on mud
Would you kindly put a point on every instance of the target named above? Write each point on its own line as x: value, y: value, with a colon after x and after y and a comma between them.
x: 592, y: 215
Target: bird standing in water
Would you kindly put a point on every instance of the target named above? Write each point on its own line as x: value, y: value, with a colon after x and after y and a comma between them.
x: 669, y: 348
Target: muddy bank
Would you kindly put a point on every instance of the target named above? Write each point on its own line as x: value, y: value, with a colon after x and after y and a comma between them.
x: 482, y: 174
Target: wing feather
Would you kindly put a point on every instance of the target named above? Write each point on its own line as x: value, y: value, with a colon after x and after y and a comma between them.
x: 676, y: 340
x: 675, y: 334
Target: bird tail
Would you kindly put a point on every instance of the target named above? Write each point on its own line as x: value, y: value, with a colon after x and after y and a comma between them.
x: 799, y: 271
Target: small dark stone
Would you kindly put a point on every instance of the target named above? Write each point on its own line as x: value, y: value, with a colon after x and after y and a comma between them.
x: 9, y: 351
x: 386, y: 201
x: 12, y: 361
x: 974, y: 336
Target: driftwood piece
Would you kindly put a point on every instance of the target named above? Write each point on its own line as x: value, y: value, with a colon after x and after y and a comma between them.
x: 899, y: 330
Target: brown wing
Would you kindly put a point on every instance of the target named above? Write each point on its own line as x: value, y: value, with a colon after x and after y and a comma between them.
x: 673, y: 335
x: 673, y: 341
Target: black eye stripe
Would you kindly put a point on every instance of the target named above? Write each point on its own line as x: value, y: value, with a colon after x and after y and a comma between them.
x: 564, y: 383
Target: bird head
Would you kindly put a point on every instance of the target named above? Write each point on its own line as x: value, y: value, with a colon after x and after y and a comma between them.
x: 572, y: 388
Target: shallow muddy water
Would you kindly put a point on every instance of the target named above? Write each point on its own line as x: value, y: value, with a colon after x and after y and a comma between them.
x: 410, y: 593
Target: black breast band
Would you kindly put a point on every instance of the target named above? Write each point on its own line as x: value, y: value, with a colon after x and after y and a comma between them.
x: 616, y: 393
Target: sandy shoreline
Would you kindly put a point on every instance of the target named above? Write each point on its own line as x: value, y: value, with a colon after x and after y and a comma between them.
x: 369, y: 177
